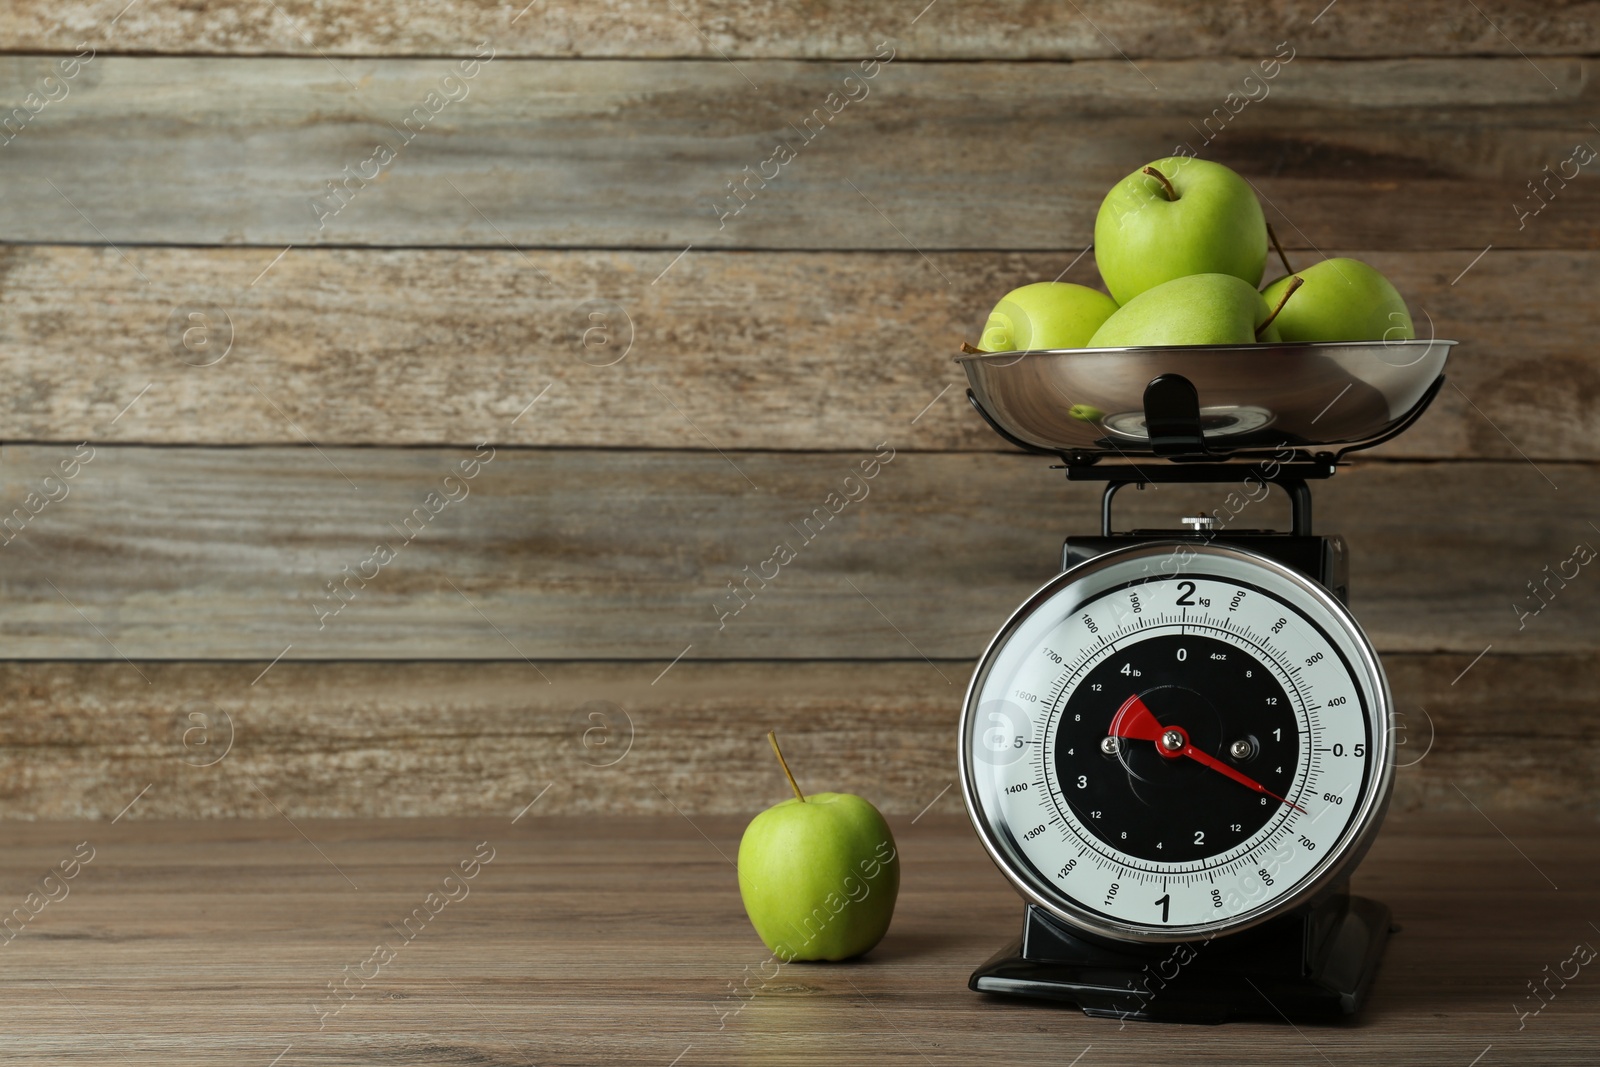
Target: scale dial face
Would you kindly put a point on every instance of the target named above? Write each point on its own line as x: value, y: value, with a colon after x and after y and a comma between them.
x: 1176, y: 740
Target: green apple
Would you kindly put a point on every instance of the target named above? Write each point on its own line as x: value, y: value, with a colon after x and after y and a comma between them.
x: 1202, y: 309
x: 818, y: 875
x: 1176, y: 217
x: 1342, y: 300
x: 1045, y: 315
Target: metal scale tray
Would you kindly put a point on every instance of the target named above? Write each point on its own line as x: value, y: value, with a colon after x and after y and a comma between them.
x: 1205, y: 401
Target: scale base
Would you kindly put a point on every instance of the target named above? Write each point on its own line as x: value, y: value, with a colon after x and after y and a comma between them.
x: 1315, y: 964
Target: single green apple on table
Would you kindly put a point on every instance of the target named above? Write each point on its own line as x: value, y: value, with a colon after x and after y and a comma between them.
x: 1202, y: 309
x: 818, y: 874
x: 1176, y: 217
x: 1045, y: 315
x: 1342, y: 300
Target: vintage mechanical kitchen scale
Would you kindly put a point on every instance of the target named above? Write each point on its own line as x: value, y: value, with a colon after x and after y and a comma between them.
x: 1179, y: 748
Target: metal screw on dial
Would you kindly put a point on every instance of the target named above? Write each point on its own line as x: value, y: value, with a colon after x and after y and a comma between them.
x: 1241, y: 749
x: 1172, y: 740
x: 1108, y: 745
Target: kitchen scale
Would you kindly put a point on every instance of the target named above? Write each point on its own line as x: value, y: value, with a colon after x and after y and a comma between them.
x: 1179, y: 748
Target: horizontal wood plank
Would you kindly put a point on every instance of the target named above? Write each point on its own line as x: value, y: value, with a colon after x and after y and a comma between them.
x: 1382, y: 154
x: 156, y: 553
x: 734, y: 350
x: 994, y: 29
x: 370, y: 740
x: 604, y: 941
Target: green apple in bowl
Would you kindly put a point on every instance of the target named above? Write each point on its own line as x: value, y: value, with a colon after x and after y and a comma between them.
x: 1201, y: 309
x: 1176, y: 217
x: 1342, y: 300
x: 1045, y: 315
x: 818, y: 874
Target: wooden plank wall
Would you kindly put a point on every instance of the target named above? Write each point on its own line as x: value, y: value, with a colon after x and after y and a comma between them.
x: 274, y: 274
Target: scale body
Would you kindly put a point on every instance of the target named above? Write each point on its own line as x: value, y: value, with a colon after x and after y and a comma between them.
x: 1179, y: 748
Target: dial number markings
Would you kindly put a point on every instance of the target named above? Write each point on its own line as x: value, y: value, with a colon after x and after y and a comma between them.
x: 1185, y: 735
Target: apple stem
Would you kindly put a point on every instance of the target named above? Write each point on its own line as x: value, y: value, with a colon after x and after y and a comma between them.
x: 1281, y: 257
x: 773, y: 737
x: 1172, y: 194
x: 1294, y: 283
x: 971, y: 350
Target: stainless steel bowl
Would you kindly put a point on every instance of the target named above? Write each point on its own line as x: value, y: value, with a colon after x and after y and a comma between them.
x: 1251, y: 396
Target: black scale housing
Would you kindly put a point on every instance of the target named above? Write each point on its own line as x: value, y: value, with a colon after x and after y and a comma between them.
x: 1315, y: 963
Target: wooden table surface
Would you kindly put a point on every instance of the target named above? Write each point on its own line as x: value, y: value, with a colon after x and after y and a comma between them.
x: 620, y: 941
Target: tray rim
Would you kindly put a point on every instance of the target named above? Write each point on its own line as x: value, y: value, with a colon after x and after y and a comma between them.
x: 1305, y: 346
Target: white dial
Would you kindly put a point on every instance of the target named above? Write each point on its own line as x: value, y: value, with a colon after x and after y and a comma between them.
x: 1176, y: 740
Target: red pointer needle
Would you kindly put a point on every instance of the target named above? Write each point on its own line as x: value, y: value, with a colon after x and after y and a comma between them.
x: 1135, y: 722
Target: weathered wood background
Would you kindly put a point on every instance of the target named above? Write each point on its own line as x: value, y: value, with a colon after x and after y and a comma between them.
x: 253, y: 381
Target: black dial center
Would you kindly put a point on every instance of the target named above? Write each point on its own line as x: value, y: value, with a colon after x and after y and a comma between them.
x: 1173, y: 808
